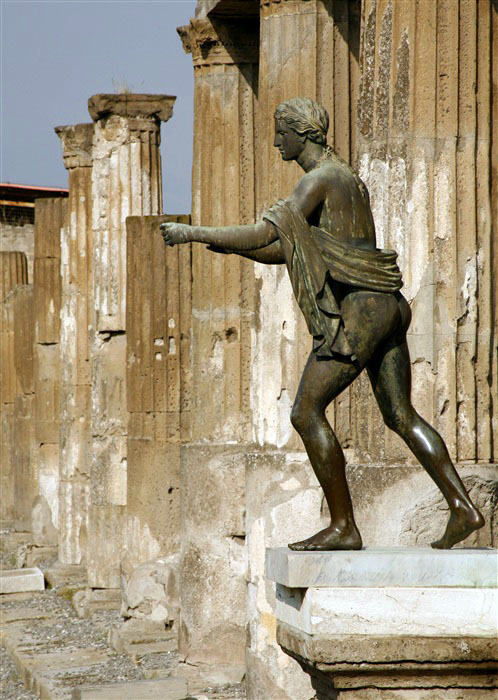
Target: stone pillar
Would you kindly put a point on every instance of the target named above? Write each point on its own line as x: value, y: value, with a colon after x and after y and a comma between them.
x: 307, y: 48
x: 77, y: 317
x: 224, y: 298
x: 14, y: 271
x: 126, y: 181
x: 22, y: 446
x: 424, y: 151
x: 158, y: 326
x: 50, y: 218
x: 310, y: 48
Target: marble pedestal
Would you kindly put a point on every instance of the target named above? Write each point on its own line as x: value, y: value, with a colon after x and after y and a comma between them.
x: 384, y: 622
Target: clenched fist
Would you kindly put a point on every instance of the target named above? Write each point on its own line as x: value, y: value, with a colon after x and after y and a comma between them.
x: 173, y: 233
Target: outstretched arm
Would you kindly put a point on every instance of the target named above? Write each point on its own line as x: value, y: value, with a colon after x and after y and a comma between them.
x: 231, y: 238
x: 271, y: 254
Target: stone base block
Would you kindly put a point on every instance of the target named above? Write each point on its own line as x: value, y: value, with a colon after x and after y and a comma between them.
x: 397, y: 632
x: 380, y: 567
x: 165, y: 689
x: 213, y: 557
x: 21, y: 580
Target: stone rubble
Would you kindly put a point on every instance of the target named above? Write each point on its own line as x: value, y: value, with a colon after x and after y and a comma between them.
x: 47, y: 649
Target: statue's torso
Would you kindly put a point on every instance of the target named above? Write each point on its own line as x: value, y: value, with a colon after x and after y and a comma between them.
x: 345, y: 212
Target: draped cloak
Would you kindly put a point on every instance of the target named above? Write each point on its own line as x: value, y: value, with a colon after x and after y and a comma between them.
x: 314, y: 257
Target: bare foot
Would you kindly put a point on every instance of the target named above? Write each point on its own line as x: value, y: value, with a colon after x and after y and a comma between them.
x: 331, y: 538
x: 461, y: 524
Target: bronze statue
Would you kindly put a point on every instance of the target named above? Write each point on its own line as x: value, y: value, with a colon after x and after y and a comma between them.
x: 348, y: 291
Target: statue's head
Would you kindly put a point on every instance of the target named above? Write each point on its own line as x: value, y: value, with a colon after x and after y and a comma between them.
x: 296, y: 121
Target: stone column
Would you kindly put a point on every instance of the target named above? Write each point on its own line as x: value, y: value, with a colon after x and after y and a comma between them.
x: 50, y: 218
x: 424, y: 151
x: 158, y: 326
x: 126, y: 181
x: 22, y: 446
x: 14, y: 271
x: 77, y: 317
x: 224, y: 297
x: 307, y: 48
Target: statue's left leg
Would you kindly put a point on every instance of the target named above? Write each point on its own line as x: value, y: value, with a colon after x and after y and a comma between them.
x: 390, y: 374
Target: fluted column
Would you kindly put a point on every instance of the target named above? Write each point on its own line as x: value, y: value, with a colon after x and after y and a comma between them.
x: 22, y: 446
x: 308, y: 48
x: 77, y: 318
x: 13, y: 271
x: 424, y: 150
x: 50, y: 219
x: 126, y: 181
x: 224, y: 298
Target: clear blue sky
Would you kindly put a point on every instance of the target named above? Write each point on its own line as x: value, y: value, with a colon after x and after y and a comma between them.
x: 55, y: 54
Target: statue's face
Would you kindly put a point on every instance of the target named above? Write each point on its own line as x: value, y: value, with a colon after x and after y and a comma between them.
x: 289, y: 143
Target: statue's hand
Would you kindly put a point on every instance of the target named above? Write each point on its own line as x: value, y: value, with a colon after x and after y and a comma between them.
x: 173, y: 233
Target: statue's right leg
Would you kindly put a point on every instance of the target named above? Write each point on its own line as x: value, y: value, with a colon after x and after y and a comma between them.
x: 323, y: 379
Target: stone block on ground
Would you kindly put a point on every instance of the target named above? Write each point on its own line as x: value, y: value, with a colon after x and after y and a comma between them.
x: 139, y: 637
x: 36, y: 668
x: 21, y: 580
x: 200, y: 676
x: 163, y: 689
x: 66, y: 575
x: 88, y: 601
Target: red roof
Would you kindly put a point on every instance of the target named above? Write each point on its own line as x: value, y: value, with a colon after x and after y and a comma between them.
x: 25, y: 195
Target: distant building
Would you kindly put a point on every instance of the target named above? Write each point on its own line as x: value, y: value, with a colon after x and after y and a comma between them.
x: 17, y: 217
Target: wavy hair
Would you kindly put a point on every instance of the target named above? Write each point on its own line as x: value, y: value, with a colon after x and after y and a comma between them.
x: 305, y: 116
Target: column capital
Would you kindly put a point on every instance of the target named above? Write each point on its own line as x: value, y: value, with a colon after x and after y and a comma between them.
x: 77, y: 144
x: 214, y: 42
x: 158, y: 108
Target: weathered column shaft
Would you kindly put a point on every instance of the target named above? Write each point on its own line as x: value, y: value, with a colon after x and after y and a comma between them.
x: 224, y: 299
x: 14, y: 271
x: 158, y: 327
x: 424, y: 150
x: 22, y: 447
x: 307, y: 48
x: 77, y: 318
x: 126, y: 181
x: 50, y: 218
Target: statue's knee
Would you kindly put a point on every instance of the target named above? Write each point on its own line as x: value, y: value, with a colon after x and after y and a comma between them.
x: 399, y: 422
x: 299, y: 418
x: 393, y: 421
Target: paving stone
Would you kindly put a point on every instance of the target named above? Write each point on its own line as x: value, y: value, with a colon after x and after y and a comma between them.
x: 21, y: 580
x: 163, y: 689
